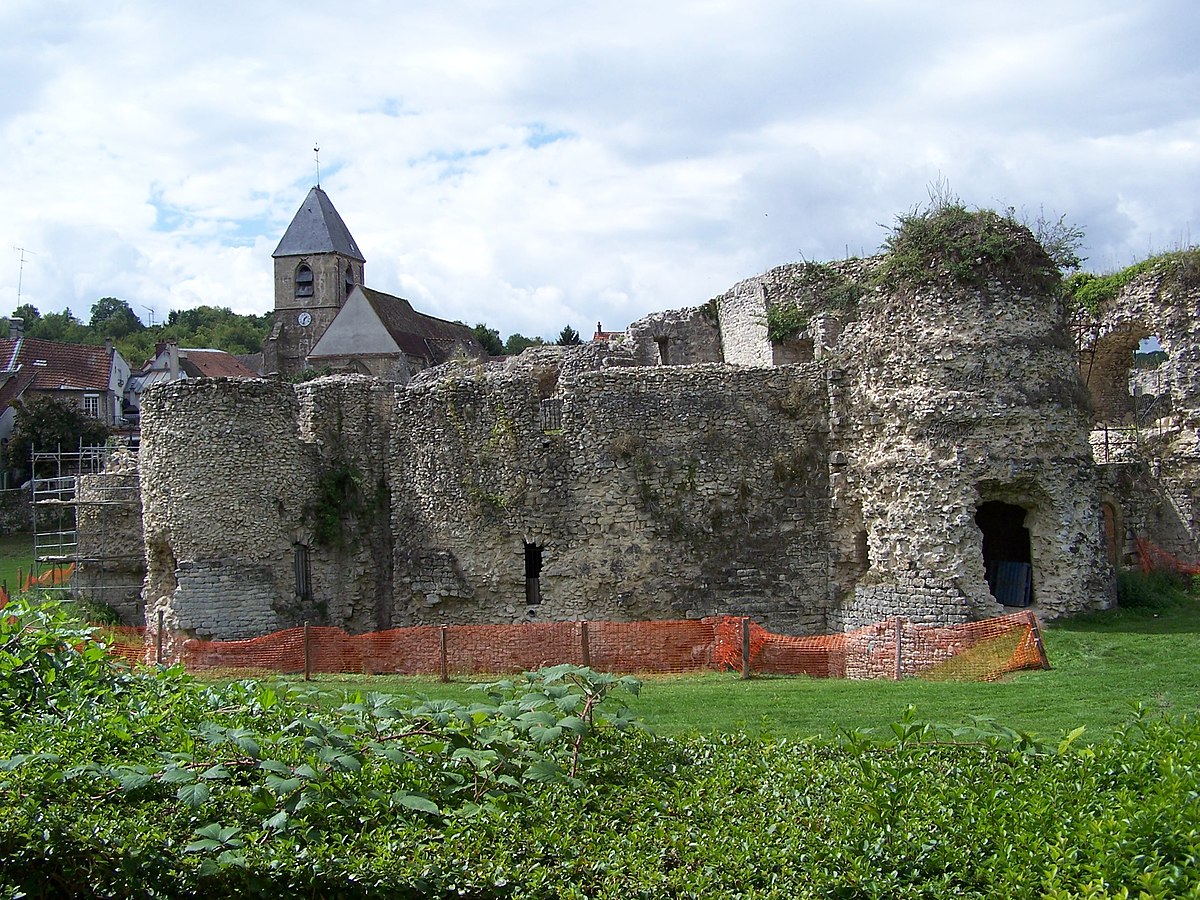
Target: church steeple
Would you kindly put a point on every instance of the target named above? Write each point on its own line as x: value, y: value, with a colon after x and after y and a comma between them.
x: 317, y: 265
x: 317, y: 228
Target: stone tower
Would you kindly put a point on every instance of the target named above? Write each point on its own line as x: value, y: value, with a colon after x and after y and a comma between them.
x: 317, y: 264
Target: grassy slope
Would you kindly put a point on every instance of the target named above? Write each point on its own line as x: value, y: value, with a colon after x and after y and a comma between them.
x: 1102, y: 666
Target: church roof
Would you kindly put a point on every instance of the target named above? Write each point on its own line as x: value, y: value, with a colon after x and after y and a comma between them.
x: 317, y: 228
x: 415, y: 332
x: 412, y: 332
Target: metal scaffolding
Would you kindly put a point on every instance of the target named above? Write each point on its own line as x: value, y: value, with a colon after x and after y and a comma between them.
x: 58, y: 505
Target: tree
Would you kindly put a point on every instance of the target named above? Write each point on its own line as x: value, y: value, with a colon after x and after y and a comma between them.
x: 44, y: 422
x: 59, y: 326
x: 568, y: 337
x: 114, y: 318
x: 27, y: 312
x: 489, y: 339
x: 517, y: 342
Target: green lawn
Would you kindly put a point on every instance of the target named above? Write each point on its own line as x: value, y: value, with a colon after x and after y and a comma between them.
x: 16, y: 553
x: 1102, y: 666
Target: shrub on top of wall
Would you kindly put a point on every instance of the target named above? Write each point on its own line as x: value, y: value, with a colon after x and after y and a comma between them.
x: 948, y: 242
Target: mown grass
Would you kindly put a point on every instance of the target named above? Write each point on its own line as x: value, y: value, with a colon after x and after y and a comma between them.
x: 16, y: 557
x: 1104, y: 666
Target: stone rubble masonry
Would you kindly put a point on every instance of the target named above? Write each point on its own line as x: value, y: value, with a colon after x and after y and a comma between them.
x: 112, y: 562
x: 1149, y: 452
x: 687, y: 336
x: 814, y: 496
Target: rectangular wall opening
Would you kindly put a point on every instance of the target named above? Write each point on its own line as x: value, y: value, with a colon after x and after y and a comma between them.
x: 664, y: 351
x: 533, y: 574
x: 302, y: 564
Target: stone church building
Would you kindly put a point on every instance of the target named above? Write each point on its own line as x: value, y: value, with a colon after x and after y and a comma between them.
x: 325, y: 318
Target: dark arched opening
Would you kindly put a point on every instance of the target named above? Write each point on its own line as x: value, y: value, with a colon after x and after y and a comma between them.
x: 1007, y: 560
x: 304, y: 281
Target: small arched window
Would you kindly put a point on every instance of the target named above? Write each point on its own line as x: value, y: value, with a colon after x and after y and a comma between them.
x: 304, y: 281
x: 349, y: 279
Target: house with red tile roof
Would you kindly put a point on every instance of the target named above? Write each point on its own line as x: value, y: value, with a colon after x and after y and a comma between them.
x: 174, y: 363
x: 93, y: 377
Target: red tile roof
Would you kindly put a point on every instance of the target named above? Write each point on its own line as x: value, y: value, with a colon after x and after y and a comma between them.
x: 52, y: 366
x: 214, y: 364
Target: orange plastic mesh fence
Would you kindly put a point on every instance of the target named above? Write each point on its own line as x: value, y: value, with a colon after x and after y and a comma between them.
x: 126, y: 642
x: 1155, y: 557
x: 58, y: 576
x: 891, y: 649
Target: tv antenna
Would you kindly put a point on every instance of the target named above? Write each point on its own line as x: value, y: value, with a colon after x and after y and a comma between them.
x: 317, y: 157
x: 150, y: 310
x: 21, y: 270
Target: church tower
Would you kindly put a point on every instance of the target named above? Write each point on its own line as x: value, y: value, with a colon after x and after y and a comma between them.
x: 317, y: 265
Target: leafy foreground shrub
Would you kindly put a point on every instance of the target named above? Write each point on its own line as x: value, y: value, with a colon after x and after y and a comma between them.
x: 151, y: 785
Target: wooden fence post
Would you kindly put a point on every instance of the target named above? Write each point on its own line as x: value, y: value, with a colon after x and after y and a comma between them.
x: 1037, y: 638
x: 158, y: 639
x: 307, y: 656
x: 445, y: 666
x: 584, y: 646
x: 745, y: 648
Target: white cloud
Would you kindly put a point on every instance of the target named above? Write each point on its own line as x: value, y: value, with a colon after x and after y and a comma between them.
x: 528, y: 165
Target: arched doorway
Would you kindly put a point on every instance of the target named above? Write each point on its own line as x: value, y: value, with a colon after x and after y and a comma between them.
x: 1007, y: 560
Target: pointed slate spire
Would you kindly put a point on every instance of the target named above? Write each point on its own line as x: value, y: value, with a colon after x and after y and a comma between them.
x: 317, y: 228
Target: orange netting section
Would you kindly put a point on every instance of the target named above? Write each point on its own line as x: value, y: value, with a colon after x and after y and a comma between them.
x: 1155, y: 558
x: 55, y: 577
x: 894, y: 648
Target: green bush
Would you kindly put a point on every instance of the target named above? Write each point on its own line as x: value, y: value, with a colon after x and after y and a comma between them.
x: 118, y: 783
x: 1150, y: 590
x: 946, y: 242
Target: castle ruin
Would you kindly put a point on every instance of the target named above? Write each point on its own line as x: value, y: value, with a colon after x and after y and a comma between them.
x: 820, y: 447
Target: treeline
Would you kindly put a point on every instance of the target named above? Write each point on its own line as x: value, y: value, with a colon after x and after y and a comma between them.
x: 213, y: 327
x: 489, y: 339
x: 204, y: 326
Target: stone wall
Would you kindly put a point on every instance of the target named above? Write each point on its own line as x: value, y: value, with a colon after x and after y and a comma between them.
x: 742, y: 312
x: 1149, y: 451
x: 111, y: 546
x: 346, y: 422
x: 974, y: 397
x: 847, y: 473
x: 16, y: 511
x: 671, y: 492
x: 225, y: 483
x: 682, y: 336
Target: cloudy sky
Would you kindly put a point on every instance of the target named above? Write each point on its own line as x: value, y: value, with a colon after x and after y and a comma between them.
x: 532, y: 164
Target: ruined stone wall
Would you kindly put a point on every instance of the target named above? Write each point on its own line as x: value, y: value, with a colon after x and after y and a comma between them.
x: 672, y: 492
x: 16, y: 511
x: 686, y: 336
x: 346, y: 421
x: 973, y: 397
x: 1149, y: 450
x: 742, y: 311
x: 111, y: 546
x: 225, y: 480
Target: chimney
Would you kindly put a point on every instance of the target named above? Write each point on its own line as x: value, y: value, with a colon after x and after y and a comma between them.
x: 16, y: 328
x: 108, y: 345
x: 173, y: 360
